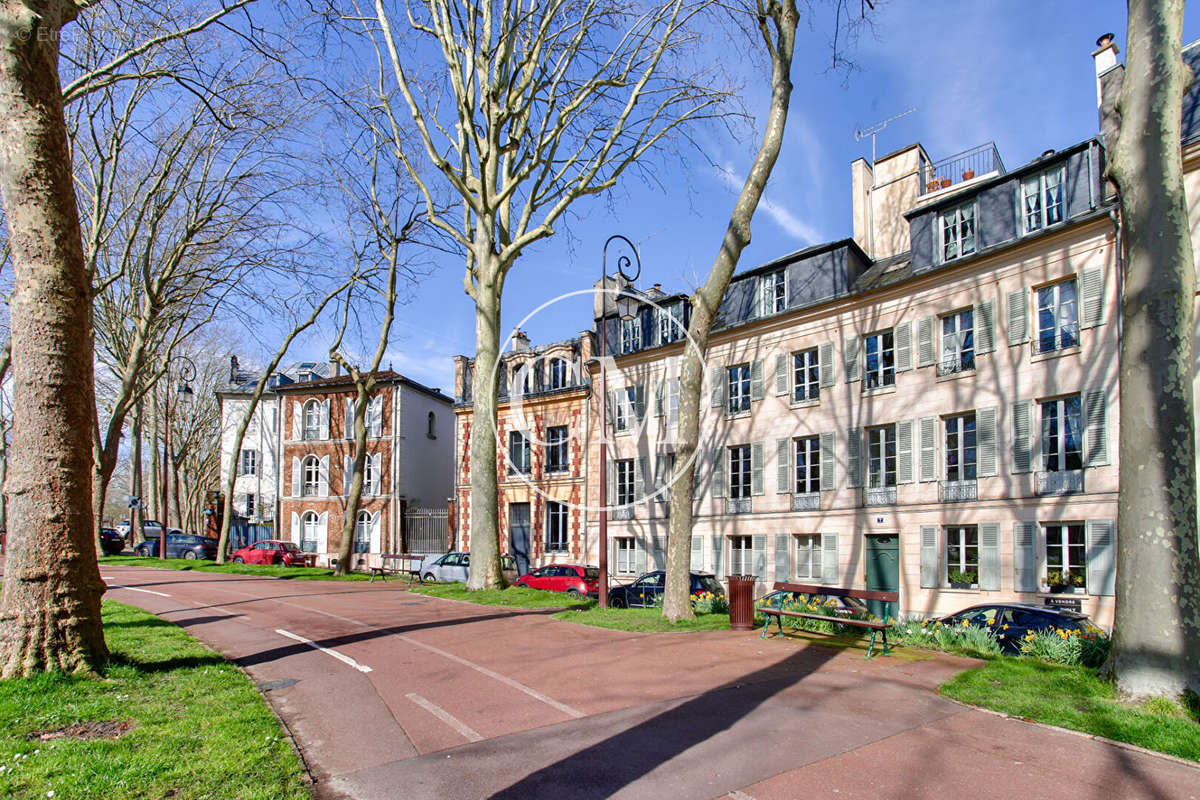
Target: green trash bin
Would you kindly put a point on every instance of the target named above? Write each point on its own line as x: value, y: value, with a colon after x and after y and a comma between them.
x: 741, y: 602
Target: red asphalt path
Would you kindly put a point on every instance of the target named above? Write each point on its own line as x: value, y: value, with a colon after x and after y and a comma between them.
x: 417, y: 697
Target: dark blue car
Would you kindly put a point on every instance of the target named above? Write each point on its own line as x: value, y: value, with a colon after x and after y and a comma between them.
x: 647, y: 589
x: 180, y: 545
x: 111, y: 541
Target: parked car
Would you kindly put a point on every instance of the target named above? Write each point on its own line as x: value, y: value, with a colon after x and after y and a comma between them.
x: 573, y: 579
x: 456, y: 566
x: 180, y: 545
x: 111, y: 541
x: 646, y: 589
x: 270, y: 551
x: 1009, y: 622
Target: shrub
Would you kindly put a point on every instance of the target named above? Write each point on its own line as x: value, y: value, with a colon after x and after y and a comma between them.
x: 968, y: 640
x: 1058, y: 646
x: 709, y: 603
x: 810, y: 604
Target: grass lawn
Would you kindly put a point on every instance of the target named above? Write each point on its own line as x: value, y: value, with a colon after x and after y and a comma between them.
x: 1074, y: 697
x: 197, y: 728
x: 263, y: 570
x: 646, y: 620
x: 513, y: 596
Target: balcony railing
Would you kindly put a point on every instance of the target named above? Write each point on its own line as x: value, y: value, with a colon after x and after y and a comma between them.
x: 622, y: 512
x: 1060, y: 482
x: 961, y: 167
x: 1061, y: 339
x: 879, y: 496
x: 958, y: 491
x: 737, y: 505
x: 953, y: 366
x: 810, y: 501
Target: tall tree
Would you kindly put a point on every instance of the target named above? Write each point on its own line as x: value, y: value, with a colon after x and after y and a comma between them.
x: 50, y: 607
x: 1156, y: 636
x: 525, y: 110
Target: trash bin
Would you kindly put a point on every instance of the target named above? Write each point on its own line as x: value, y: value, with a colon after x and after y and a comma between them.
x: 741, y: 602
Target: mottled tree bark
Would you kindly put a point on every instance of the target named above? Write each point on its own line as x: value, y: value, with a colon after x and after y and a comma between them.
x: 485, y: 524
x: 777, y: 24
x: 1156, y: 638
x: 50, y: 609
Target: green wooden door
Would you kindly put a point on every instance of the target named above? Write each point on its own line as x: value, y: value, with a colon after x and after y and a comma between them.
x: 883, y: 568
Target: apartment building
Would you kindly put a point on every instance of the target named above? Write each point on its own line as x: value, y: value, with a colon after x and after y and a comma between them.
x: 409, y: 462
x: 541, y: 442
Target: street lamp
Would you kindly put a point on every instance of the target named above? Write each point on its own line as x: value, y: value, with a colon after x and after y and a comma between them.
x: 185, y: 372
x: 627, y: 305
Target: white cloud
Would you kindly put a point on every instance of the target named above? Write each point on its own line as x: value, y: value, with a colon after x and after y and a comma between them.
x: 785, y: 219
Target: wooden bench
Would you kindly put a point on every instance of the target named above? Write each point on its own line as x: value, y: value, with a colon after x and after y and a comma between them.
x: 399, y: 563
x: 773, y: 607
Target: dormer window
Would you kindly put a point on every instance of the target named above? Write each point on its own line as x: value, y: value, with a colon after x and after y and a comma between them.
x: 1042, y: 199
x: 558, y: 373
x: 631, y: 335
x: 670, y: 323
x: 773, y: 292
x: 958, y: 231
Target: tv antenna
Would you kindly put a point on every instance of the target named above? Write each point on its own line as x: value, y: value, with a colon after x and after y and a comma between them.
x: 862, y: 133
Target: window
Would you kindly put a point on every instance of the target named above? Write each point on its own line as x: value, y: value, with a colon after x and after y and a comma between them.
x: 249, y: 462
x: 881, y: 456
x: 362, y: 531
x: 308, y: 532
x: 558, y: 373
x: 960, y: 448
x: 1058, y: 317
x: 250, y: 504
x: 556, y: 527
x: 741, y: 555
x: 774, y: 292
x: 431, y: 429
x: 631, y: 335
x: 1066, y: 557
x: 806, y: 376
x: 672, y: 392
x: 670, y: 323
x: 1042, y: 200
x: 1062, y: 434
x: 962, y: 555
x: 958, y: 232
x: 808, y: 465
x: 368, y: 475
x: 518, y: 453
x: 375, y: 416
x: 626, y: 406
x: 880, y: 366
x: 556, y: 448
x: 310, y: 485
x: 625, y: 554
x: 958, y: 343
x: 808, y: 557
x: 739, y: 389
x: 739, y: 472
x: 624, y: 474
x: 312, y: 420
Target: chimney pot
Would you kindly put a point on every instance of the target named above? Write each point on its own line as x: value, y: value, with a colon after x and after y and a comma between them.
x: 1105, y: 40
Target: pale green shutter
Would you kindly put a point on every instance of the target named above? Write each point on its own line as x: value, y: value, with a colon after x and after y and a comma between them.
x: 1025, y: 572
x: 697, y: 561
x: 850, y: 357
x: 989, y: 557
x: 1018, y: 324
x: 903, y: 340
x: 853, y: 461
x: 985, y: 428
x: 929, y: 557
x: 639, y: 401
x: 904, y: 451
x: 759, y: 541
x: 1091, y: 298
x: 825, y: 364
x: 926, y: 353
x: 1101, y: 557
x: 718, y: 550
x: 659, y: 401
x: 639, y: 478
x: 718, y: 472
x: 1095, y: 422
x: 716, y: 377
x: 985, y: 327
x: 829, y: 558
x: 783, y: 557
x: 611, y: 477
x: 783, y: 466
x: 781, y: 373
x: 828, y: 484
x: 1022, y: 428
x: 756, y: 381
x: 639, y: 558
x: 929, y: 432
x: 756, y: 468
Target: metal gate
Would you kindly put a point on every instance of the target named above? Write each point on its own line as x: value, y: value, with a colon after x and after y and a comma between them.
x: 426, y: 530
x: 242, y: 534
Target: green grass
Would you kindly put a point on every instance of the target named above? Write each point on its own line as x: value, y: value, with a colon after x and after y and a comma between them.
x: 199, y: 727
x: 513, y: 596
x: 1074, y: 697
x: 262, y: 570
x: 643, y: 620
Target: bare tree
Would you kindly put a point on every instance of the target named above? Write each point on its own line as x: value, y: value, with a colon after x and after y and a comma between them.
x: 50, y: 608
x: 1156, y: 636
x: 533, y: 107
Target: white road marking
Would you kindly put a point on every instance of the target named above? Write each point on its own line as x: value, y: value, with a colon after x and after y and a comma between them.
x: 534, y: 693
x: 446, y: 717
x: 736, y: 795
x: 135, y: 589
x: 339, y: 656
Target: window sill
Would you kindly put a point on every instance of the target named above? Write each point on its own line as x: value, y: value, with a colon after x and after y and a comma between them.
x: 805, y: 403
x: 737, y: 414
x: 1051, y: 354
x: 879, y: 390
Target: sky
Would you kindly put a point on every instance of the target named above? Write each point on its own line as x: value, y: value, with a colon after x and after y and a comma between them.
x: 1015, y: 72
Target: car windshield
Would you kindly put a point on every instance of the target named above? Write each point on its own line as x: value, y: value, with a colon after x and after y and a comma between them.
x: 591, y: 573
x: 291, y: 547
x: 709, y: 584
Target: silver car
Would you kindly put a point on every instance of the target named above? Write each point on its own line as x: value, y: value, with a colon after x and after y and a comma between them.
x: 455, y: 567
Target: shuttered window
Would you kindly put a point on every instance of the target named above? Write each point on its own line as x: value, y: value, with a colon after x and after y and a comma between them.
x: 806, y: 376
x: 958, y: 343
x: 958, y: 232
x: 1058, y: 317
x: 808, y: 465
x: 1042, y: 200
x: 881, y: 456
x: 808, y: 557
x: 739, y: 389
x: 960, y: 448
x: 879, y: 365
x: 1066, y: 557
x: 962, y: 555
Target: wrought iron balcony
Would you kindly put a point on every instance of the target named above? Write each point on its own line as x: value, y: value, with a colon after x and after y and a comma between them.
x: 955, y: 365
x: 1061, y: 482
x: 879, y: 496
x: 958, y: 491
x: 1065, y: 337
x: 963, y: 166
x: 623, y: 512
x: 810, y: 501
x: 737, y: 505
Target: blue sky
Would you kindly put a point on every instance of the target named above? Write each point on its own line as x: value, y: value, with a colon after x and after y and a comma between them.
x: 1017, y: 73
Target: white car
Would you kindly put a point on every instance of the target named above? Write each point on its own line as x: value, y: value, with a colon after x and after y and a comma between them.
x: 455, y: 566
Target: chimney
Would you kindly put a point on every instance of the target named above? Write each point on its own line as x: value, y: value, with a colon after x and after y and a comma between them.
x: 233, y: 369
x: 520, y: 340
x: 1110, y: 74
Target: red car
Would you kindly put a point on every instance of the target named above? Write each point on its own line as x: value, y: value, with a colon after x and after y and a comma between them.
x: 570, y: 578
x: 270, y: 551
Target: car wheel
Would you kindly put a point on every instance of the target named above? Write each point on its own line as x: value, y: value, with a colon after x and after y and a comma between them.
x: 575, y: 593
x: 189, y: 555
x: 522, y: 584
x: 616, y: 602
x: 238, y: 560
x: 429, y: 578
